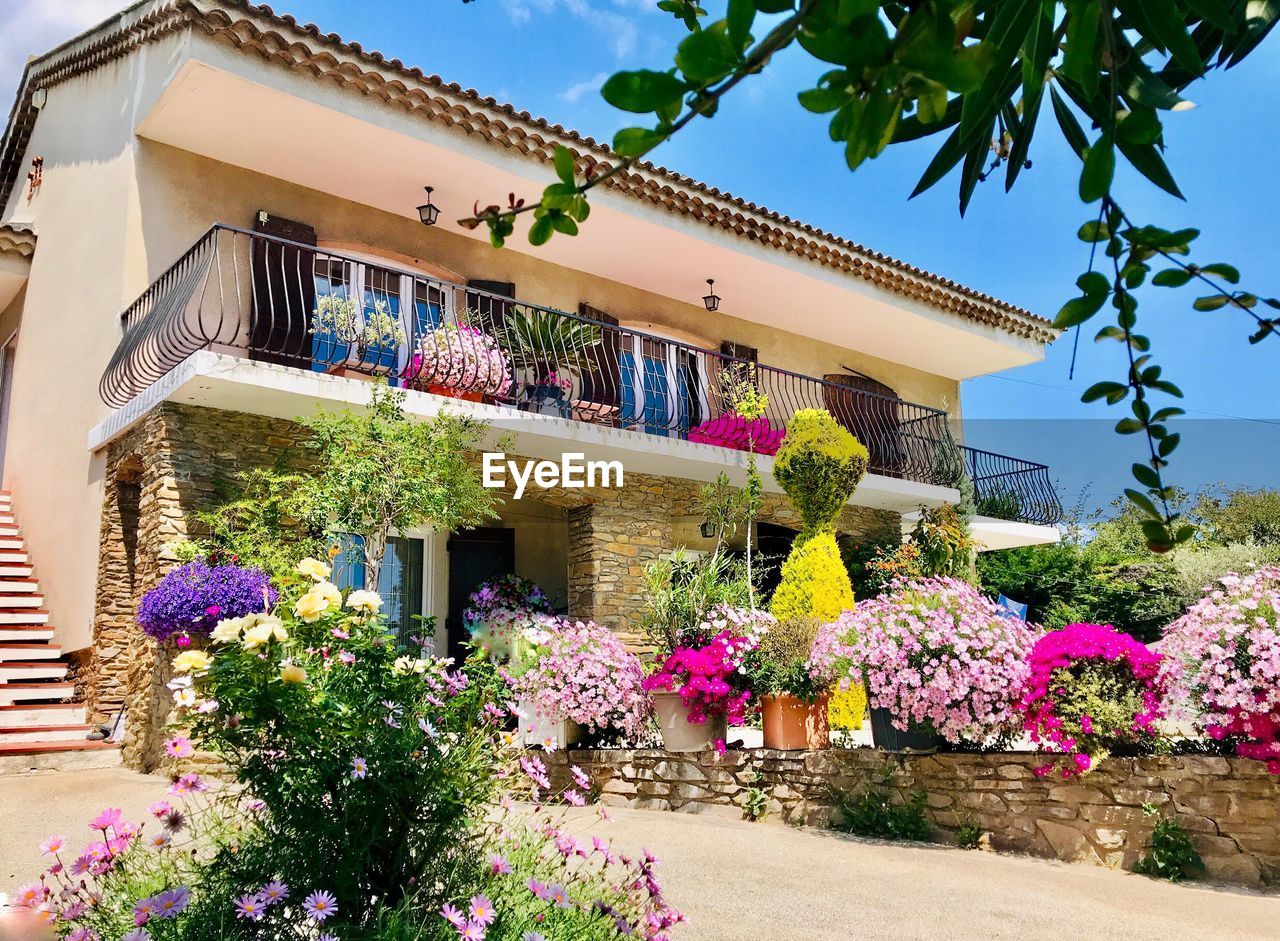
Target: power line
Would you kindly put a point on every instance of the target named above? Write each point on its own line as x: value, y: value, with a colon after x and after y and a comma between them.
x: 1198, y: 411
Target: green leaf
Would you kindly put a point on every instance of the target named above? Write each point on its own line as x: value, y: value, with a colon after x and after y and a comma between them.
x: 706, y: 56
x: 1009, y: 28
x: 1139, y: 126
x: 1093, y: 231
x: 1093, y: 282
x: 636, y: 141
x: 1071, y: 129
x: 1078, y: 310
x: 1168, y: 31
x: 738, y: 20
x: 822, y: 100
x: 564, y: 165
x: 1080, y: 60
x: 1215, y: 12
x: 1146, y: 476
x: 1106, y: 390
x: 1141, y: 500
x: 1147, y: 161
x: 1099, y: 168
x: 1224, y: 271
x: 1128, y: 426
x: 1212, y: 302
x: 1171, y: 278
x: 642, y: 91
x: 541, y: 231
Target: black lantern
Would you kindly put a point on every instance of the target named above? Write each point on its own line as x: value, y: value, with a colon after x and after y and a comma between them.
x: 708, y: 529
x: 427, y: 212
x: 712, y: 300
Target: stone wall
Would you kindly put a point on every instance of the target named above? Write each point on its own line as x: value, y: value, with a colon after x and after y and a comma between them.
x: 179, y: 461
x: 1231, y: 806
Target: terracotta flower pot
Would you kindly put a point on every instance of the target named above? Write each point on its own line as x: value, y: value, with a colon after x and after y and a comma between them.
x: 791, y: 724
x: 454, y: 393
x: 678, y: 733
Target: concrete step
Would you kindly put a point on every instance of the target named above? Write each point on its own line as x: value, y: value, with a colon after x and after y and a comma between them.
x: 27, y: 652
x: 16, y: 571
x: 24, y: 601
x: 11, y: 693
x: 9, y: 557
x: 23, y: 671
x: 23, y: 715
x: 10, y: 544
x: 45, y: 733
x: 10, y: 529
x: 26, y: 757
x: 26, y: 617
x: 25, y: 633
x: 18, y: 586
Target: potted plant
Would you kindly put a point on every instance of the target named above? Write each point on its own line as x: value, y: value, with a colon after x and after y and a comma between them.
x: 461, y: 362
x: 793, y: 702
x: 371, y: 338
x: 941, y: 663
x: 700, y: 688
x: 192, y: 598
x: 541, y: 343
x: 575, y: 680
x: 498, y: 612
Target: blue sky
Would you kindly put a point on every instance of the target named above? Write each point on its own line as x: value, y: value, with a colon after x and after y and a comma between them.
x: 550, y: 56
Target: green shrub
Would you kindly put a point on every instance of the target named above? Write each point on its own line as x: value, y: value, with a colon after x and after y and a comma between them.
x: 780, y: 664
x: 682, y: 589
x: 814, y: 581
x: 872, y: 813
x: 755, y: 801
x: 819, y: 465
x: 1171, y: 855
x: 969, y: 834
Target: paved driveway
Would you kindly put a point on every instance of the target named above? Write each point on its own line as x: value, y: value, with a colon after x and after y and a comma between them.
x: 766, y: 882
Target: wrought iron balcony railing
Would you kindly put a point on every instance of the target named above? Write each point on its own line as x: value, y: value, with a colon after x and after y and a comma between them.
x: 285, y: 302
x: 1010, y: 488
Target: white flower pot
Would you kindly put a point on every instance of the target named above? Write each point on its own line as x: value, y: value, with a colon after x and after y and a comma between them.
x: 550, y: 732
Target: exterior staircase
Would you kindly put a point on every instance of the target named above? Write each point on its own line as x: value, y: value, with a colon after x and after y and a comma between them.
x: 38, y: 712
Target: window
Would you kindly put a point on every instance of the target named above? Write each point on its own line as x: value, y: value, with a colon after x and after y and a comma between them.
x: 400, y: 581
x: 663, y: 386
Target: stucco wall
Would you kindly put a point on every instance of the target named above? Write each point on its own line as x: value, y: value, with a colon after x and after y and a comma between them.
x: 116, y: 209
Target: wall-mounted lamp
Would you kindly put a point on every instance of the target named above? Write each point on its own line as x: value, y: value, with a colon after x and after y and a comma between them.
x: 427, y: 212
x: 708, y: 529
x: 712, y: 300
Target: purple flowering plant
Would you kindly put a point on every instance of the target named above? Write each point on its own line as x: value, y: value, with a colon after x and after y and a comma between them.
x: 194, y: 597
x: 501, y: 609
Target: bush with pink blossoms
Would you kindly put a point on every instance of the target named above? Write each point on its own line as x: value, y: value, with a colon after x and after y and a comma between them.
x: 707, y: 671
x: 934, y: 652
x: 1093, y: 690
x: 582, y: 672
x: 1222, y: 665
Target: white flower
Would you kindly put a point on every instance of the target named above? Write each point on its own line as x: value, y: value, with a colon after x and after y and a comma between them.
x: 228, y: 631
x: 185, y: 698
x: 410, y: 665
x: 364, y: 601
x: 314, y: 568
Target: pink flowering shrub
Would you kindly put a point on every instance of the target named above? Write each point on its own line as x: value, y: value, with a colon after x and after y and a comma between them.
x: 1222, y: 664
x: 706, y: 668
x: 1092, y: 690
x: 934, y: 652
x: 582, y: 672
x: 463, y: 359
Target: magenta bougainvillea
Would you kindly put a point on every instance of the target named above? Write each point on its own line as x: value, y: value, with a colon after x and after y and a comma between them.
x: 1092, y: 689
x: 1223, y: 664
x: 709, y: 677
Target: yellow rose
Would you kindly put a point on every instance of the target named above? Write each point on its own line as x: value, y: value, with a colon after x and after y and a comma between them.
x: 293, y: 674
x: 314, y: 568
x: 191, y: 661
x: 274, y: 625
x: 227, y: 631
x: 410, y: 665
x: 311, y: 607
x: 258, y: 636
x: 364, y: 601
x: 329, y: 592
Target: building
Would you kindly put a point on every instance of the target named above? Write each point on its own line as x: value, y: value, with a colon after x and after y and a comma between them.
x: 185, y: 184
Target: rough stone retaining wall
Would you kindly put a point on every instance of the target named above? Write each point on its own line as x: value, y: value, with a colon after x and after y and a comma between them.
x: 1231, y: 806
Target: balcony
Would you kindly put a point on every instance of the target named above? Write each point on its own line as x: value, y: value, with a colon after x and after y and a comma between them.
x: 291, y: 304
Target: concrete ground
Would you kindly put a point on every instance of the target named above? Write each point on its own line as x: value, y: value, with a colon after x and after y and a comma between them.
x: 766, y: 882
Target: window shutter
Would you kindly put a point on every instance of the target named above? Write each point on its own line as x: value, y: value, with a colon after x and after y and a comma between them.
x: 601, y: 381
x: 490, y: 313
x: 284, y: 292
x: 739, y: 351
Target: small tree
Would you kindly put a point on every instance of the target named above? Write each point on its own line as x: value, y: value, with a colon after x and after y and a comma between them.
x: 379, y: 471
x: 748, y: 403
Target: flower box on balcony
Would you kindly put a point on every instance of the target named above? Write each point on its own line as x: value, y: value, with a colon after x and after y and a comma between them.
x: 734, y: 431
